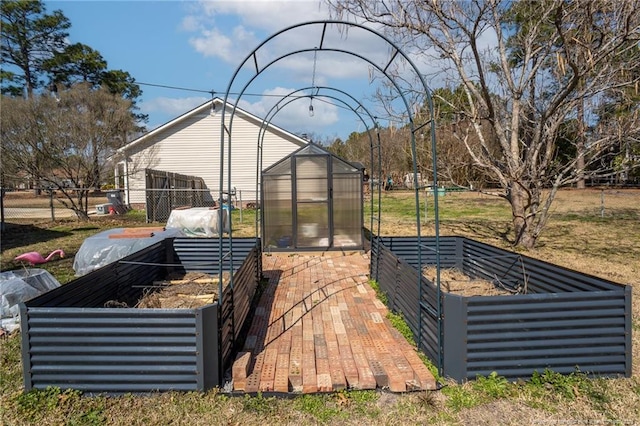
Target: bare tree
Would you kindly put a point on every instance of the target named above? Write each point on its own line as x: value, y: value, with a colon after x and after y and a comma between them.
x: 526, y: 68
x: 64, y: 143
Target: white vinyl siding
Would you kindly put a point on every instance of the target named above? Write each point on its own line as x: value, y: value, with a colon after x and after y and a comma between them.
x: 192, y: 147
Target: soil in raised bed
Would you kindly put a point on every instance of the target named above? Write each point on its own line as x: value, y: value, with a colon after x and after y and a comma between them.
x: 186, y: 291
x: 454, y: 281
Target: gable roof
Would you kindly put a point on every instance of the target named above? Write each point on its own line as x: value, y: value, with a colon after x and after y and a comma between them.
x: 215, y: 104
x: 314, y: 149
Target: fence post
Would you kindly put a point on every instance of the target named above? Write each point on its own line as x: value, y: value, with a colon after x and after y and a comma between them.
x: 1, y: 209
x: 53, y: 214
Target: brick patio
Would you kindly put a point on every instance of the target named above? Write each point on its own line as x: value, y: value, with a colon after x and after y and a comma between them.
x: 320, y: 328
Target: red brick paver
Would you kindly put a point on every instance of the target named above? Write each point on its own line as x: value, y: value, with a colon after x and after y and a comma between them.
x: 320, y: 328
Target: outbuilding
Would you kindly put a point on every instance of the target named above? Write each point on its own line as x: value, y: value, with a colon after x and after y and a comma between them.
x: 312, y: 200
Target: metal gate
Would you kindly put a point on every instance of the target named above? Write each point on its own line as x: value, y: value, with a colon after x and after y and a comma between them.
x: 166, y: 191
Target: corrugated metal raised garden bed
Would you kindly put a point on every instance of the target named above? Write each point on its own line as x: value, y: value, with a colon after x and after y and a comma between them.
x: 109, y: 332
x: 531, y: 316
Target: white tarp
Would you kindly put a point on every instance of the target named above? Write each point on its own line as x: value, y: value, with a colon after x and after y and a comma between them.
x: 199, y: 221
x: 19, y: 286
x: 100, y: 250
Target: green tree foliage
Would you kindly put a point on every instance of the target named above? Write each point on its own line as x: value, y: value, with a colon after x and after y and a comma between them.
x: 80, y: 63
x: 36, y: 55
x: 37, y: 58
x: 76, y: 63
x: 30, y: 37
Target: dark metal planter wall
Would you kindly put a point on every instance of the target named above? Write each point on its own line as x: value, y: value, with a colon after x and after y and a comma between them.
x: 236, y: 302
x: 70, y: 340
x: 566, y: 320
x: 397, y: 279
x: 397, y: 274
x: 201, y: 254
x: 516, y: 335
x: 484, y: 261
x: 110, y: 350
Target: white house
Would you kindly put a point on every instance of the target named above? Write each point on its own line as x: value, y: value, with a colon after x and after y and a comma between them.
x: 190, y: 145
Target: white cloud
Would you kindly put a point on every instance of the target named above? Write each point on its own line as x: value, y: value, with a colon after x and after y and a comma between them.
x: 172, y: 107
x: 293, y: 117
x: 230, y: 30
x: 190, y: 23
x: 214, y: 43
x: 267, y: 14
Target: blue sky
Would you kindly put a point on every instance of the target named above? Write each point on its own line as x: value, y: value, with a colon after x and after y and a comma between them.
x: 199, y: 44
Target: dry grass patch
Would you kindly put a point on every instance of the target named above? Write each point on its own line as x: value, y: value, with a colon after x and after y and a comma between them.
x: 455, y: 282
x: 26, y: 199
x: 183, y: 291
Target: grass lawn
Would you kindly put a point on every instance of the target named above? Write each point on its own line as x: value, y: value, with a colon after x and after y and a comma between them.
x: 584, y: 233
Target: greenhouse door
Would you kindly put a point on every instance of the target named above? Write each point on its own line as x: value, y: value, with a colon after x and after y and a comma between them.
x: 312, y: 202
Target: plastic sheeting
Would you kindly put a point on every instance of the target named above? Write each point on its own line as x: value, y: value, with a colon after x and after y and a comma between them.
x: 199, y: 221
x: 100, y: 250
x: 19, y: 286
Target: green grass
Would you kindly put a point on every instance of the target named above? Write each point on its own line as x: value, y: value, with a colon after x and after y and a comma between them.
x: 460, y: 397
x: 450, y: 207
x: 381, y: 295
x: 401, y: 325
x: 493, y: 386
x: 319, y: 407
x: 259, y: 404
x: 245, y: 226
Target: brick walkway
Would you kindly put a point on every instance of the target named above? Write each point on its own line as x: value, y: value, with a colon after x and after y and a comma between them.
x: 319, y: 328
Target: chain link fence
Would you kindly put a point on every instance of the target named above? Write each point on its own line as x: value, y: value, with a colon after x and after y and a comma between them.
x: 157, y: 204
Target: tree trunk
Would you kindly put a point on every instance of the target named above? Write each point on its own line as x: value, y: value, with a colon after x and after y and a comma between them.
x: 580, y: 163
x: 81, y: 215
x: 519, y: 198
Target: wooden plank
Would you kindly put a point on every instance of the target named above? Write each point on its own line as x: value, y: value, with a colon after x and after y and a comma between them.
x: 132, y: 235
x: 143, y: 229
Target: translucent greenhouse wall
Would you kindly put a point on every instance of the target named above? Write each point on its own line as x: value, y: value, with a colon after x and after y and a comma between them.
x: 347, y: 208
x: 312, y: 200
x: 277, y: 207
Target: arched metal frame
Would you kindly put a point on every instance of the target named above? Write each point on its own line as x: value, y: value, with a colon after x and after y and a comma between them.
x: 271, y: 114
x: 226, y: 132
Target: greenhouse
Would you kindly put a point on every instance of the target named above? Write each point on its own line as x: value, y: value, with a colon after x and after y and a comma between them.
x: 312, y: 200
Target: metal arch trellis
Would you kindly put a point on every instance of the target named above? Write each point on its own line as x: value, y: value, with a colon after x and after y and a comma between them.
x: 291, y: 97
x: 226, y: 132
